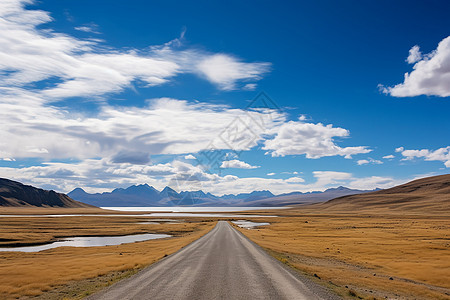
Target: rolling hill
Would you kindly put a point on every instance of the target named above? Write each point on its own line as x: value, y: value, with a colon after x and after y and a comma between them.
x: 431, y: 194
x: 16, y: 194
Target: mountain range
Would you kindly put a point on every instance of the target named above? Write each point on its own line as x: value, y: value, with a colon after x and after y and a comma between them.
x: 16, y: 194
x: 145, y: 195
x: 426, y: 194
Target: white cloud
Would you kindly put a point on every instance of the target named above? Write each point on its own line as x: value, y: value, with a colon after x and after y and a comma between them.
x: 250, y: 87
x: 7, y: 159
x: 38, y: 150
x: 270, y: 174
x: 31, y: 125
x: 225, y: 70
x: 295, y: 180
x: 389, y: 156
x: 313, y: 140
x: 99, y: 175
x: 414, y: 55
x: 327, y: 178
x: 86, y: 68
x: 237, y: 164
x: 164, y: 126
x: 372, y: 182
x: 369, y: 161
x: 89, y: 28
x: 430, y: 75
x: 189, y: 156
x: 83, y: 68
x: 441, y: 154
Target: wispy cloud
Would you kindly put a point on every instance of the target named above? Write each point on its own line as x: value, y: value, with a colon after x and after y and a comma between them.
x: 85, y: 68
x: 89, y: 28
x: 225, y: 71
x: 34, y: 125
x: 164, y: 126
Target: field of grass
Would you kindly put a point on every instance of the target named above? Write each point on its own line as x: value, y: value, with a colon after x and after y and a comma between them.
x: 70, y: 272
x: 370, y: 256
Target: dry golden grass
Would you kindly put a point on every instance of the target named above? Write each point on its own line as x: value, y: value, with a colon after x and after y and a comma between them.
x: 364, y: 252
x: 430, y: 195
x: 31, y: 274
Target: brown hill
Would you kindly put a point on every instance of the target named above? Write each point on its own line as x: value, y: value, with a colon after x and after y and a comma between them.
x: 431, y: 195
x: 16, y: 194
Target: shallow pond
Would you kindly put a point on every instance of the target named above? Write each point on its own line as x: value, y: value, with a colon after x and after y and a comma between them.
x: 89, y: 241
x: 248, y: 224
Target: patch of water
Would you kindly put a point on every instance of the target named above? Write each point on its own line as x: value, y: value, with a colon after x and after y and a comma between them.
x: 186, y: 209
x: 248, y: 224
x: 149, y: 223
x: 161, y: 215
x: 89, y: 241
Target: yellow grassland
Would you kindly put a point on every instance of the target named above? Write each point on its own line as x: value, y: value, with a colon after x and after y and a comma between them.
x: 375, y: 256
x: 31, y: 274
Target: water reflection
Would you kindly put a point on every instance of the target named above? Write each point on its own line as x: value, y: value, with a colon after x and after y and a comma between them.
x: 90, y: 241
x: 248, y: 224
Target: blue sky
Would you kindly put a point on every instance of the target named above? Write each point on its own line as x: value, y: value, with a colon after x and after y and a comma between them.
x: 105, y: 94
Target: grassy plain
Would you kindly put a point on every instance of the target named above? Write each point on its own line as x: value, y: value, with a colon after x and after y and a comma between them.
x: 68, y: 272
x: 364, y: 256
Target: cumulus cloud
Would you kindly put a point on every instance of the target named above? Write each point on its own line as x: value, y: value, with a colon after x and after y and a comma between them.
x: 237, y: 164
x: 313, y: 140
x: 369, y: 161
x: 430, y: 75
x: 189, y: 156
x: 441, y: 154
x: 414, y: 55
x: 389, y: 156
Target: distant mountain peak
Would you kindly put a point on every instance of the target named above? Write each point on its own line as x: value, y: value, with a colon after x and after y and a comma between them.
x: 168, y: 189
x: 339, y: 188
x: 78, y: 190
